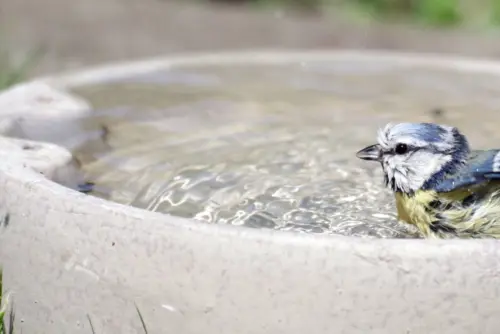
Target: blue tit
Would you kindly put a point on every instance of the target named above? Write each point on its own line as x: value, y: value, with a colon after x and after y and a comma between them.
x: 441, y: 186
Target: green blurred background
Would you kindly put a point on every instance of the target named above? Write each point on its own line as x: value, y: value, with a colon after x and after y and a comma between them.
x: 81, y: 33
x: 441, y: 13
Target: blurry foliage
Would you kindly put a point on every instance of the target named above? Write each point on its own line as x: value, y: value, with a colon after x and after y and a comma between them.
x: 299, y: 4
x: 12, y: 72
x: 4, y: 328
x: 430, y: 12
x: 495, y: 12
x: 439, y: 12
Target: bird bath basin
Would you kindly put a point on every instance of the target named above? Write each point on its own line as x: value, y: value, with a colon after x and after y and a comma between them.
x: 228, y: 198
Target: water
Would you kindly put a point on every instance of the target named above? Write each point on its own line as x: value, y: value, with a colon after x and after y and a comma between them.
x: 270, y: 146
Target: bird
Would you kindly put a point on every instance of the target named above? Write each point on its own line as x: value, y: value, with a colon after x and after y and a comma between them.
x: 442, y: 188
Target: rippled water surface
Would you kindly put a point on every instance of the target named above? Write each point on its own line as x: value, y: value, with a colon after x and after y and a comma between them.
x: 270, y: 146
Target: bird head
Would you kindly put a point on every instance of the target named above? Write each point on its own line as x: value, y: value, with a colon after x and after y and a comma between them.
x: 413, y: 155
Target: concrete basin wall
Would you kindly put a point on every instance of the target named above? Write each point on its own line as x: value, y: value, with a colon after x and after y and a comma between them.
x: 68, y: 257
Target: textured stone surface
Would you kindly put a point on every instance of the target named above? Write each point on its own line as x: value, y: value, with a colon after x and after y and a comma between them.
x: 67, y: 257
x: 39, y: 111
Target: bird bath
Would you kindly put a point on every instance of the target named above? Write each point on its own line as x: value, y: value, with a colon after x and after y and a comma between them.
x: 228, y: 198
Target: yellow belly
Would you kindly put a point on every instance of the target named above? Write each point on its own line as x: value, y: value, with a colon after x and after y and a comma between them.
x: 417, y: 210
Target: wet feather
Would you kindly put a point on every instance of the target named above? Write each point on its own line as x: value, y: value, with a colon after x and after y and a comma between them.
x: 441, y: 187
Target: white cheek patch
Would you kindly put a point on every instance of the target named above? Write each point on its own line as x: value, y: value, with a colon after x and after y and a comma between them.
x: 496, y: 163
x: 433, y: 165
x: 429, y: 165
x: 412, y: 172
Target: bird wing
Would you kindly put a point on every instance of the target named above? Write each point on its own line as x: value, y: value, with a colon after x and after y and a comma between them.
x: 481, y: 166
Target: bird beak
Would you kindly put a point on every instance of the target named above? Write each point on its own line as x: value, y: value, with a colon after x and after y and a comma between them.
x: 372, y: 152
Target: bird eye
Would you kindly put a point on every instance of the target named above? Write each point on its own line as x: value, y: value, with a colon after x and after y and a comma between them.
x: 401, y: 148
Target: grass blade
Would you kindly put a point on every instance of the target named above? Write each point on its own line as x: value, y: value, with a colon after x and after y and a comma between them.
x: 91, y: 325
x: 142, y: 319
x: 12, y: 318
x: 2, y: 311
